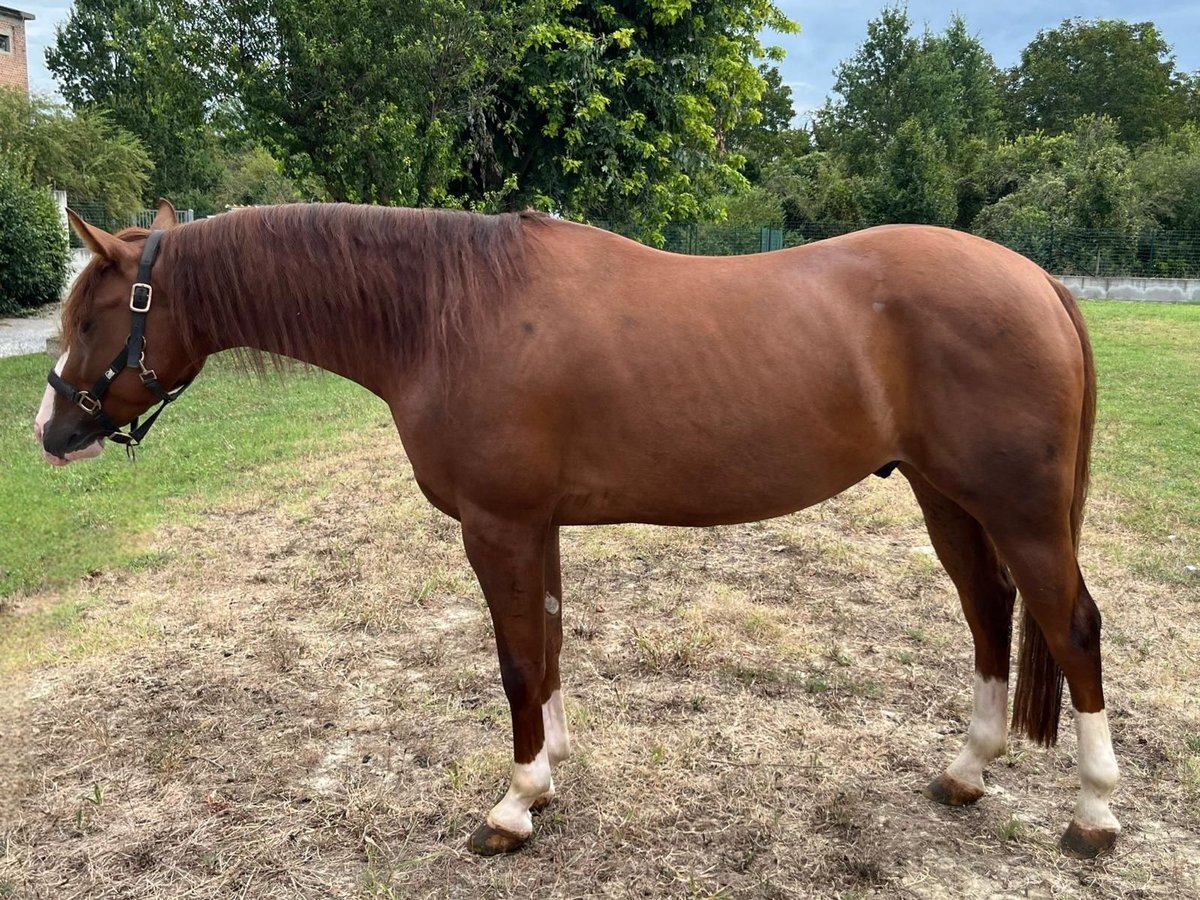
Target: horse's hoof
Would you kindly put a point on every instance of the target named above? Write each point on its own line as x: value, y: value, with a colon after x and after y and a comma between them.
x: 489, y: 841
x: 950, y: 791
x: 1083, y: 842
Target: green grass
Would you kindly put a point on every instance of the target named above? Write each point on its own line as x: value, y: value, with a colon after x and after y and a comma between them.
x: 232, y: 429
x: 59, y: 523
x: 1148, y: 418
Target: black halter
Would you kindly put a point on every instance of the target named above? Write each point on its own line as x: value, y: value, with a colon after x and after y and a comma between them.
x: 133, y: 356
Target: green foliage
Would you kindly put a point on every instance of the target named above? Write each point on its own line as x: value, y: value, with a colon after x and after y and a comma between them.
x: 33, y: 245
x: 1083, y: 180
x: 764, y: 133
x: 1106, y: 67
x: 82, y: 153
x: 374, y: 98
x: 932, y: 101
x: 624, y: 111
x: 148, y: 64
x: 1166, y: 174
x: 755, y: 206
x: 816, y: 188
x: 585, y: 108
x: 914, y: 182
x: 948, y: 84
x: 254, y: 177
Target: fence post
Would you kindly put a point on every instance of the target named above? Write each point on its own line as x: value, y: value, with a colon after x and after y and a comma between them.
x: 60, y: 200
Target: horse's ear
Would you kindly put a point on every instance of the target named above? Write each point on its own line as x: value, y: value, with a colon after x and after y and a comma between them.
x: 98, y: 240
x: 165, y: 217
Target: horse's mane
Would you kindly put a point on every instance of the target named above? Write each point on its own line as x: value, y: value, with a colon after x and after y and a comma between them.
x: 334, y: 281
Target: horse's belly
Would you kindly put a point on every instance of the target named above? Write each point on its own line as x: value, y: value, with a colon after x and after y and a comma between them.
x: 698, y: 489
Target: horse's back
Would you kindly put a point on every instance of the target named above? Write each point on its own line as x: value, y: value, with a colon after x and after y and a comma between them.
x: 699, y: 390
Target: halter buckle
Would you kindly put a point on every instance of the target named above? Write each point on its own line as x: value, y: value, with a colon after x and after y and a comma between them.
x: 123, y: 438
x: 88, y: 403
x: 148, y: 293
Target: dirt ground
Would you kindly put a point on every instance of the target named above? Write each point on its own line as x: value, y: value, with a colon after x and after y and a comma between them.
x: 297, y: 696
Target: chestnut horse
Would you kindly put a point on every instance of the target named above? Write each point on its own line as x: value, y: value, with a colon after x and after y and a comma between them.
x: 543, y: 373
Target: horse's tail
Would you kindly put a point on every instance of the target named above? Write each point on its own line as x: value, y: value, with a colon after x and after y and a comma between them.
x: 1037, y: 703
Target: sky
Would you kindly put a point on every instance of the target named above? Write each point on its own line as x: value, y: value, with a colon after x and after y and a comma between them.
x: 832, y: 31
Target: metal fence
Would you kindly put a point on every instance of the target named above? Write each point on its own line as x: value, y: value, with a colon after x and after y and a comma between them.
x: 1150, y: 253
x: 97, y: 214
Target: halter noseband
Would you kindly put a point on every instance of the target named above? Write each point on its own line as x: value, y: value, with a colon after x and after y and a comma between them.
x: 133, y: 356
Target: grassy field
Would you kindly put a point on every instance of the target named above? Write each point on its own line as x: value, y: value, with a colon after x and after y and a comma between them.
x: 59, y: 524
x: 284, y: 684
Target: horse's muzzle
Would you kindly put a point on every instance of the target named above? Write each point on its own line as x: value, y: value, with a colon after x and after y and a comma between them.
x: 65, y: 441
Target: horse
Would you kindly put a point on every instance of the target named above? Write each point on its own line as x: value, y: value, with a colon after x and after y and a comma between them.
x: 543, y: 373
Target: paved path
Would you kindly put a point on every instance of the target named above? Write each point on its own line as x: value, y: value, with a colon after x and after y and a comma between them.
x: 28, y: 335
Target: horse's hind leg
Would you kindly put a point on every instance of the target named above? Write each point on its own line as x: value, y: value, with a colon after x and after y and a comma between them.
x: 987, y: 594
x: 1062, y: 626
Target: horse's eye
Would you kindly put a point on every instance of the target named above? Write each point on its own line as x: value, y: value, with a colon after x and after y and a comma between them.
x: 86, y: 327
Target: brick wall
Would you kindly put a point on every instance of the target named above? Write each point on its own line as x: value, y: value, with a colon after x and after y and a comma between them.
x: 14, y: 69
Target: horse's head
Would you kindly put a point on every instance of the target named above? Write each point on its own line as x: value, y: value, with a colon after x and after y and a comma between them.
x: 123, y: 354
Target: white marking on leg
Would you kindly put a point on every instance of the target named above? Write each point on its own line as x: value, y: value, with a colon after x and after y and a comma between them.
x: 551, y: 605
x: 554, y: 720
x: 529, y: 782
x: 987, y: 735
x: 1098, y: 772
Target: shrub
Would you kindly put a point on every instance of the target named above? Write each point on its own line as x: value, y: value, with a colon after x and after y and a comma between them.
x: 33, y: 245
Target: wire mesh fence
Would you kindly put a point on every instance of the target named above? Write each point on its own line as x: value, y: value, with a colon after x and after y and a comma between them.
x: 97, y: 214
x: 1063, y: 251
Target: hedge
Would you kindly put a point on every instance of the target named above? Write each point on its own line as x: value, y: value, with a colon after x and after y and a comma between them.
x: 33, y: 245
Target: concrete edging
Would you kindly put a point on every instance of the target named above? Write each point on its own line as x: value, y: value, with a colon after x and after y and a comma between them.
x: 1155, y: 290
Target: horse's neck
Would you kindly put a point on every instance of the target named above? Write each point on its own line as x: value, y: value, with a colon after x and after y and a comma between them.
x: 335, y: 354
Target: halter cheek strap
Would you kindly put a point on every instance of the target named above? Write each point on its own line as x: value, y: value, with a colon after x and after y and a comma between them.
x: 132, y: 356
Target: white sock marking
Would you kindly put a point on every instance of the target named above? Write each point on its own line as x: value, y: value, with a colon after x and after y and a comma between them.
x: 1098, y: 772
x: 554, y: 721
x: 529, y: 782
x: 987, y: 735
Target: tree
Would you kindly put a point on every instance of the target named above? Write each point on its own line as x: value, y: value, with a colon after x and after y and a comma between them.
x: 914, y: 182
x: 1082, y: 180
x: 83, y: 153
x: 625, y: 112
x: 377, y: 99
x: 251, y: 177
x: 871, y: 91
x: 765, y: 133
x: 590, y: 109
x: 146, y: 64
x: 1166, y: 173
x: 816, y: 190
x: 947, y: 84
x: 1106, y: 67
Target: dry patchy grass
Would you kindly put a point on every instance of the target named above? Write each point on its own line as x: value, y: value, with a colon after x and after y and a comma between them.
x: 297, y: 696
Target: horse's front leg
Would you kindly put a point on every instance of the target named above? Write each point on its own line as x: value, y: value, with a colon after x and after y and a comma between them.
x: 509, y: 560
x: 554, y: 714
